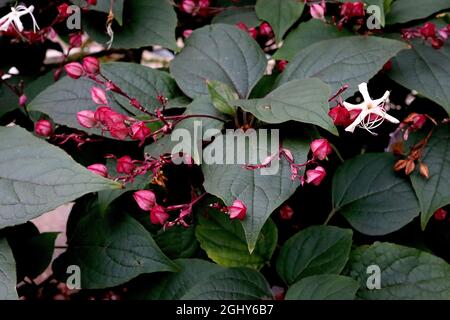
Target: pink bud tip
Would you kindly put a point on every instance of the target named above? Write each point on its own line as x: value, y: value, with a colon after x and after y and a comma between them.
x: 23, y: 100
x: 187, y: 33
x: 91, y: 65
x: 440, y: 214
x: 74, y: 70
x: 286, y: 212
x: 321, y: 148
x: 86, y: 118
x: 237, y: 210
x: 188, y: 6
x: 266, y: 30
x: 158, y: 215
x: 317, y: 11
x: 99, y: 169
x: 145, y: 199
x: 43, y: 128
x: 98, y: 95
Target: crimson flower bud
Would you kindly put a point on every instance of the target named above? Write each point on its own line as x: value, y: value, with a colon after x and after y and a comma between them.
x: 358, y: 9
x: 125, y: 165
x: 86, y: 118
x: 253, y: 33
x: 140, y: 131
x: 428, y: 30
x: 23, y: 100
x: 440, y: 214
x: 158, y: 215
x: 99, y: 169
x: 43, y: 128
x: 286, y: 212
x: 145, y: 199
x: 321, y: 148
x: 237, y: 210
x: 347, y: 9
x: 202, y: 4
x: 281, y: 65
x: 340, y: 116
x: 91, y: 65
x: 98, y: 95
x: 315, y: 176
x: 266, y: 30
x: 92, y: 2
x: 418, y: 121
x: 437, y: 43
x: 74, y: 70
x: 63, y: 10
x: 188, y: 6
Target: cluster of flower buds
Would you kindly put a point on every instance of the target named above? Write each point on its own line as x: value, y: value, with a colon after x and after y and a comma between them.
x: 264, y: 30
x: 146, y: 200
x: 430, y: 33
x: 352, y: 11
x: 90, y: 66
x: 195, y: 7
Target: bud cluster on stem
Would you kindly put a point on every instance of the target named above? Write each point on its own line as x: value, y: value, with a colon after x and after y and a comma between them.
x: 430, y: 33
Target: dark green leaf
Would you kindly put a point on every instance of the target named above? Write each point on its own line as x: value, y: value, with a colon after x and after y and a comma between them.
x: 104, y: 6
x: 425, y: 70
x: 406, y: 273
x: 343, y: 61
x: 280, y: 14
x: 224, y: 241
x: 222, y: 97
x: 36, y: 177
x: 178, y: 242
x: 323, y: 287
x: 234, y: 16
x: 406, y: 10
x: 8, y: 278
x: 299, y: 100
x: 219, y: 52
x: 372, y: 197
x: 315, y: 250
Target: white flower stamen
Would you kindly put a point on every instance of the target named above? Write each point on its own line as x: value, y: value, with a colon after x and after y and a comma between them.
x: 372, y: 113
x: 13, y: 18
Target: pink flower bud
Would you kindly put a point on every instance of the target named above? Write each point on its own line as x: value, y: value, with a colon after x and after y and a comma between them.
x: 418, y: 121
x: 202, y: 4
x: 86, y: 118
x: 253, y: 33
x: 76, y: 39
x: 145, y: 199
x: 99, y: 169
x: 74, y: 70
x: 125, y: 165
x: 98, y: 95
x: 266, y: 30
x: 101, y: 112
x: 440, y: 214
x: 23, y: 100
x: 158, y: 215
x: 444, y: 33
x: 286, y: 212
x: 321, y: 148
x: 288, y: 154
x: 140, y: 131
x: 188, y: 6
x: 317, y: 11
x: 43, y: 128
x: 187, y: 33
x: 315, y: 176
x: 238, y: 210
x: 91, y: 65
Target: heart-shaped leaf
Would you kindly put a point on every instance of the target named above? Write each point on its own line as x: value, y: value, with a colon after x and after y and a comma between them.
x: 306, y: 34
x: 343, y: 61
x: 219, y: 52
x: 315, y: 250
x: 434, y: 193
x: 36, y: 177
x: 262, y: 194
x: 405, y: 273
x: 111, y: 250
x: 323, y: 287
x: 8, y: 278
x: 424, y: 69
x: 372, y: 197
x: 281, y: 14
x: 64, y: 99
x: 224, y: 241
x: 405, y: 10
x: 299, y: 100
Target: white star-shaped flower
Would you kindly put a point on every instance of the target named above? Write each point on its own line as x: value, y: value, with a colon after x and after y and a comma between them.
x: 372, y: 113
x: 13, y: 18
